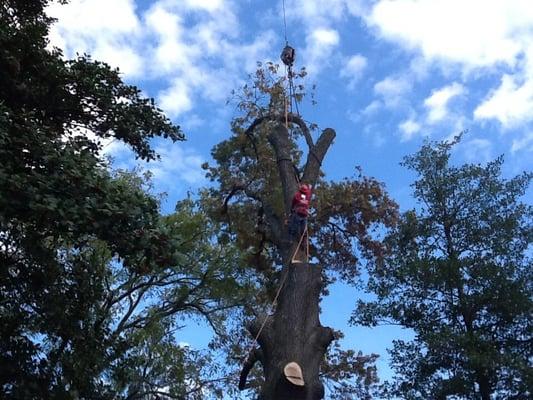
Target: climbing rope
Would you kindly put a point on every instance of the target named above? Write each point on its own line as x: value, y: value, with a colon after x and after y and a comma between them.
x: 292, y: 93
x: 274, y: 301
x: 305, y: 233
x: 285, y: 23
x: 287, y: 56
x: 286, y: 111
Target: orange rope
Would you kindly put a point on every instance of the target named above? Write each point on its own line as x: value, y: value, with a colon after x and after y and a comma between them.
x: 250, y: 348
x: 286, y: 114
x: 252, y: 345
x: 300, y: 242
x: 285, y: 102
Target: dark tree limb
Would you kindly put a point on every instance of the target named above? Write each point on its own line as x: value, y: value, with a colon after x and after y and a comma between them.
x: 316, y: 156
x: 323, y: 336
x: 279, y: 139
x: 253, y: 357
x: 292, y: 118
x: 273, y: 220
x: 296, y: 119
x: 261, y: 328
x: 234, y: 190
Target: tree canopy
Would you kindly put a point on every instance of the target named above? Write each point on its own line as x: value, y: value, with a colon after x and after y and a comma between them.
x: 459, y: 275
x: 255, y: 174
x: 92, y: 276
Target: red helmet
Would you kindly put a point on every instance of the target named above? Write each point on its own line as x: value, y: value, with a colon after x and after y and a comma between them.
x: 305, y: 188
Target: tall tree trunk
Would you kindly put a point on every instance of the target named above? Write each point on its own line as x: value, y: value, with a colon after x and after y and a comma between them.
x: 293, y: 334
x: 485, y: 389
x: 296, y: 335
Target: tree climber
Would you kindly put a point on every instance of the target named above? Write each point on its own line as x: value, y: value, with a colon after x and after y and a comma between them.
x: 299, y: 211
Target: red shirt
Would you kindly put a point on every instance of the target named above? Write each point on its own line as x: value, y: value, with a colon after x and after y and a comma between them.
x: 301, y: 200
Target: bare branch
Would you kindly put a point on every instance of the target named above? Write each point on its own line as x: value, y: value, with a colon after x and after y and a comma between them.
x: 279, y: 139
x: 292, y: 118
x: 234, y: 190
x: 316, y: 156
x: 296, y: 119
x: 255, y: 355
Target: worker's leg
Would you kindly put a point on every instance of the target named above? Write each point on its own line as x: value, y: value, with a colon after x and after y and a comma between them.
x: 300, y: 223
x: 293, y: 226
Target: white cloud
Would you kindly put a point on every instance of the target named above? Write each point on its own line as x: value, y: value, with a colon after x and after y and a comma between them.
x: 511, y: 104
x: 176, y: 99
x: 437, y: 103
x: 177, y: 165
x: 192, y: 47
x: 326, y: 37
x: 372, y: 108
x: 524, y: 143
x: 90, y: 16
x: 170, y: 51
x: 207, y: 5
x: 320, y: 44
x: 203, y: 60
x: 353, y: 69
x: 315, y: 12
x: 409, y: 128
x: 391, y: 86
x: 392, y: 89
x: 105, y: 29
x: 475, y: 33
x: 476, y: 36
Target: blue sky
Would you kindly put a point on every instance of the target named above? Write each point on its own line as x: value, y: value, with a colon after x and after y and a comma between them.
x: 388, y: 75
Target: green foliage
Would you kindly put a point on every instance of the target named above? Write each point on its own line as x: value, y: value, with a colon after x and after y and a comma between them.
x: 459, y: 275
x: 92, y: 276
x: 349, y: 374
x: 55, y: 99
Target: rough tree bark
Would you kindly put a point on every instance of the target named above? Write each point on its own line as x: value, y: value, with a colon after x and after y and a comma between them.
x: 293, y: 333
